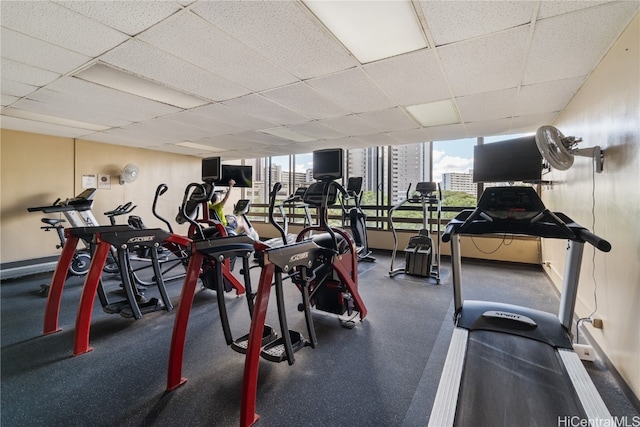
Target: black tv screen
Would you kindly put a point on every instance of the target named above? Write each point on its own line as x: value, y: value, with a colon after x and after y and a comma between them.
x: 242, y: 175
x: 512, y: 160
x: 327, y: 164
x: 210, y: 169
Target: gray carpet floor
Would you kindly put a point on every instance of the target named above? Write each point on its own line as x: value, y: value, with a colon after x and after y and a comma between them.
x: 383, y: 372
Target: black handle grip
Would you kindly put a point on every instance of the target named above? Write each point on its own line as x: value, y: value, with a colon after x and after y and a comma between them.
x: 596, y: 241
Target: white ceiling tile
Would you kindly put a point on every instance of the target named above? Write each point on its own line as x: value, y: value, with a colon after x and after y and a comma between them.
x: 452, y: 21
x: 488, y: 127
x: 350, y: 125
x: 191, y: 38
x: 446, y: 133
x: 532, y: 122
x: 16, y: 89
x: 7, y: 99
x: 34, y: 52
x: 59, y: 26
x: 283, y: 32
x: 353, y: 90
x: 130, y: 17
x: 487, y: 106
x: 79, y: 100
x: 553, y: 8
x: 486, y: 64
x: 232, y: 117
x: 413, y: 78
x: 212, y: 126
x: 546, y: 97
x: 389, y: 120
x: 316, y: 130
x: 302, y: 98
x: 26, y: 74
x: 155, y: 64
x: 14, y: 123
x: 410, y: 136
x: 121, y: 136
x: 570, y: 45
x: 262, y: 108
x: 377, y: 139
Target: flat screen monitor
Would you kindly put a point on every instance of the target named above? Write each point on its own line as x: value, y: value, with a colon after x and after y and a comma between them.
x: 242, y: 175
x: 327, y: 164
x: 210, y: 169
x: 512, y: 160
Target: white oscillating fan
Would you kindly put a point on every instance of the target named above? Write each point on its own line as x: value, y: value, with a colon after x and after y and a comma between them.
x: 559, y: 150
x: 129, y: 174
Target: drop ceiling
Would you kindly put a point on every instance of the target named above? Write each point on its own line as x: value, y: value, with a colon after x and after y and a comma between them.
x: 269, y: 78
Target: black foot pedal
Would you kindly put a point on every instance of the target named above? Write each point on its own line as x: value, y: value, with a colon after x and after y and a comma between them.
x: 275, y: 351
x: 116, y: 307
x: 154, y: 304
x: 268, y: 335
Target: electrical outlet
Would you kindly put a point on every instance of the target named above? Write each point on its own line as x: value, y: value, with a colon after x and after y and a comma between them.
x: 597, y: 323
x: 585, y: 352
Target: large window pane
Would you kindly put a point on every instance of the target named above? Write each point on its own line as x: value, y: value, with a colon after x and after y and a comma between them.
x: 453, y: 169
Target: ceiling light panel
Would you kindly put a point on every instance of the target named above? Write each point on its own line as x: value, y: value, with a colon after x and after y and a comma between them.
x: 300, y: 97
x: 37, y: 53
x: 199, y: 147
x: 130, y: 17
x: 435, y: 113
x: 282, y: 31
x: 352, y: 89
x: 104, y: 75
x: 60, y: 26
x: 158, y: 65
x: 194, y: 40
x: 452, y: 21
x: 487, y: 106
x: 372, y: 30
x: 589, y: 32
x: 389, y: 120
x: 410, y: 79
x: 486, y: 64
x: 262, y: 108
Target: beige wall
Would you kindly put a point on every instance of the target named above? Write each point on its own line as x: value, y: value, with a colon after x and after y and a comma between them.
x: 606, y: 112
x: 37, y: 169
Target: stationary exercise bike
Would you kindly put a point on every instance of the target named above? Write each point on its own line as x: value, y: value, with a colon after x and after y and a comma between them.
x: 422, y: 257
x: 357, y: 219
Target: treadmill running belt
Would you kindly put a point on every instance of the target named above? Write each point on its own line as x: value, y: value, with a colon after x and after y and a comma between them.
x: 513, y: 381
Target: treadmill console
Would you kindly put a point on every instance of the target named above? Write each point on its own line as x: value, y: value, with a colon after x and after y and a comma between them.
x: 510, y: 203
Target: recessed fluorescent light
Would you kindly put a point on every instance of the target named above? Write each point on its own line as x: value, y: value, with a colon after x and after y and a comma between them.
x: 37, y: 117
x: 435, y: 113
x: 286, y: 133
x: 113, y: 78
x: 200, y: 147
x: 371, y: 30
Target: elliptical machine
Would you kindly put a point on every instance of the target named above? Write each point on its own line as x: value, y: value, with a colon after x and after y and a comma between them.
x: 357, y: 218
x: 422, y: 258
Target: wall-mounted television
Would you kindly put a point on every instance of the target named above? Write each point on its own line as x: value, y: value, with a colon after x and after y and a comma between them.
x: 210, y: 169
x: 327, y: 164
x: 512, y: 160
x: 242, y: 175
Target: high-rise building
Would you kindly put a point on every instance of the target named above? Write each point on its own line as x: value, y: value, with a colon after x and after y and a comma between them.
x: 458, y: 181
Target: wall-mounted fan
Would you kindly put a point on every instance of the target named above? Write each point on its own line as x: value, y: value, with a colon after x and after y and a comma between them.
x: 129, y: 174
x: 559, y: 150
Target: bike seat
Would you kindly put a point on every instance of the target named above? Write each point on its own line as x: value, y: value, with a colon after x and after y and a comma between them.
x: 53, y: 222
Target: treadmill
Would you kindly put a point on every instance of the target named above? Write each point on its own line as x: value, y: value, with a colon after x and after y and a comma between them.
x: 509, y: 365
